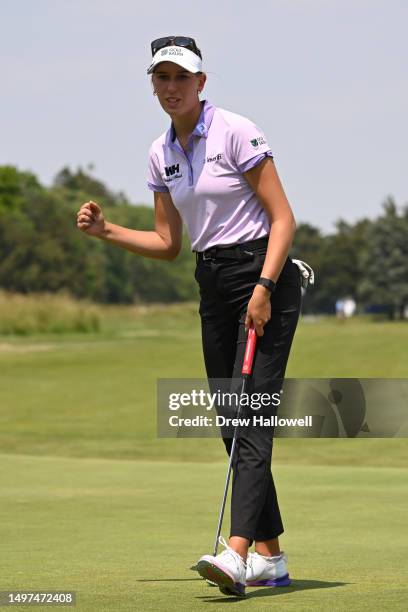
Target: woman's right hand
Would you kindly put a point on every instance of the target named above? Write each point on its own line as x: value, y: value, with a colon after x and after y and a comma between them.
x: 90, y: 219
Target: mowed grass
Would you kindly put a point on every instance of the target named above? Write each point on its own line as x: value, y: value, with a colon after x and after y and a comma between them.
x: 93, y: 501
x: 94, y: 395
x: 123, y: 534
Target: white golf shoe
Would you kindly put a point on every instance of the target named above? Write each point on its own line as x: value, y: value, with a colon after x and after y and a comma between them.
x: 267, y: 571
x: 227, y: 570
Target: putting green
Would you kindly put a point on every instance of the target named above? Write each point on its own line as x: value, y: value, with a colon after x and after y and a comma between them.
x: 123, y: 534
x: 92, y: 501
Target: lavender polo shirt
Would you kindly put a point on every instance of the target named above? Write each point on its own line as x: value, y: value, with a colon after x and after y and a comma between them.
x: 207, y: 185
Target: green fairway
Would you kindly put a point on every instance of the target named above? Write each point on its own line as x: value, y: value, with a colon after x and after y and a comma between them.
x: 94, y: 395
x: 93, y: 501
x: 123, y: 534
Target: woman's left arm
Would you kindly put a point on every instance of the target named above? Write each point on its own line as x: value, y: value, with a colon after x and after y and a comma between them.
x: 265, y: 183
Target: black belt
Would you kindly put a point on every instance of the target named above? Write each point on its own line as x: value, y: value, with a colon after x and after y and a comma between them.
x: 234, y: 251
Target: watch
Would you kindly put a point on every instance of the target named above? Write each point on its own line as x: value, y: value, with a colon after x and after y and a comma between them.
x: 268, y: 283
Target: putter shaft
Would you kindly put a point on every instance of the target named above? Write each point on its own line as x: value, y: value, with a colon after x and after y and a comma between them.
x: 246, y: 372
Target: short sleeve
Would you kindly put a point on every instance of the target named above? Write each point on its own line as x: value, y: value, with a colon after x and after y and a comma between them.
x: 249, y: 145
x: 154, y: 177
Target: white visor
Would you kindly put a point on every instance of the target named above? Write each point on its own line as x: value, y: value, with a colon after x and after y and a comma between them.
x: 178, y: 55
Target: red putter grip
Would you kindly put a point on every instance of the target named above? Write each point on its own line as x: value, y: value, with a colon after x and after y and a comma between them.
x: 249, y: 351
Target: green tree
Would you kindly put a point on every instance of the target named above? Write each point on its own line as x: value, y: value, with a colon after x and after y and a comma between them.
x: 385, y: 261
x: 80, y: 181
x: 42, y: 250
x: 15, y: 188
x: 341, y: 272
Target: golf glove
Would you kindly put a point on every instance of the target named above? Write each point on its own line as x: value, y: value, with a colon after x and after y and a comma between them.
x: 307, y: 274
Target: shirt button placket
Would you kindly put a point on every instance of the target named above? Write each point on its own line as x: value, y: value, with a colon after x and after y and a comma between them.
x: 189, y: 156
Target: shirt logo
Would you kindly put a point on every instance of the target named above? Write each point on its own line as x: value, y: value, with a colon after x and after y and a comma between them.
x: 213, y: 159
x: 172, y: 172
x: 255, y: 142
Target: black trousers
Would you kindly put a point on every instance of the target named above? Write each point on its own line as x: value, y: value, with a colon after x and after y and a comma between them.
x: 226, y: 285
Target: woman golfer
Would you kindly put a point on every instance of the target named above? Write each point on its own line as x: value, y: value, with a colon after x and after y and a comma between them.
x: 214, y: 171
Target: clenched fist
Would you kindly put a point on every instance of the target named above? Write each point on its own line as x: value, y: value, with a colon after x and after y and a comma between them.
x: 90, y: 219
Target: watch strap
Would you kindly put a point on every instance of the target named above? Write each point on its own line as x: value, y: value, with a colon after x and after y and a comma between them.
x: 268, y: 283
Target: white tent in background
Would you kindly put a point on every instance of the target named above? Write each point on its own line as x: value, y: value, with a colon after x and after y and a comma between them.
x: 349, y: 307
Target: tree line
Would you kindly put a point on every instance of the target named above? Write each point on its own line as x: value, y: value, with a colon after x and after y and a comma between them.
x: 41, y: 250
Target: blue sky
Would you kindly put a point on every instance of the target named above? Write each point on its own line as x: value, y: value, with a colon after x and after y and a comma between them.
x: 325, y: 80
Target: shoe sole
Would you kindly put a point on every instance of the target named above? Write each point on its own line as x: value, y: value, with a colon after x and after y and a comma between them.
x: 217, y: 575
x: 276, y: 582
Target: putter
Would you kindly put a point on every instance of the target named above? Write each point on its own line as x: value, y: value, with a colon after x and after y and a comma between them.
x: 246, y: 373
